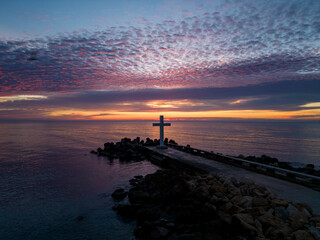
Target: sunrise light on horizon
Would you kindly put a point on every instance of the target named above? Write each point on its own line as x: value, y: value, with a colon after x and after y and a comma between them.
x: 135, y: 60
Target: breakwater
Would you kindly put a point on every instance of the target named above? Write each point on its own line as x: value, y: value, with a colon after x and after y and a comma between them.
x: 138, y: 150
x: 187, y: 202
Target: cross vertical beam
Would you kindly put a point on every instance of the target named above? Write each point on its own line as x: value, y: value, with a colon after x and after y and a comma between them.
x: 161, y: 125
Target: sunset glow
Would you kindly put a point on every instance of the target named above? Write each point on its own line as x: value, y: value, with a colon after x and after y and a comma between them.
x: 135, y: 60
x: 208, y: 115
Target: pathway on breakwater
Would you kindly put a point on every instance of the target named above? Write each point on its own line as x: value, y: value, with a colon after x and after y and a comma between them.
x: 287, y: 190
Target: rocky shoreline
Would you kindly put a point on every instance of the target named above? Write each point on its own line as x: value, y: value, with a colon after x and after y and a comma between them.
x: 189, y: 205
x: 133, y: 150
x: 127, y: 149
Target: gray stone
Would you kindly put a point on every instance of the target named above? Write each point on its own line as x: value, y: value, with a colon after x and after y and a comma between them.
x: 242, y: 201
x: 282, y: 213
x: 315, y: 232
x: 280, y: 202
x: 119, y: 194
x: 282, y: 231
x: 303, y: 235
x: 269, y: 220
x: 234, y: 181
x: 159, y: 233
x: 291, y: 208
x: 246, y: 181
x: 298, y: 219
x: 246, y: 221
x: 259, y: 201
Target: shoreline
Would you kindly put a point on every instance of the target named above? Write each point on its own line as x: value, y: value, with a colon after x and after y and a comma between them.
x: 170, y: 204
x: 253, y: 213
x: 115, y: 150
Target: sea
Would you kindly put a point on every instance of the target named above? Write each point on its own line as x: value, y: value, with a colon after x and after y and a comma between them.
x: 48, y: 178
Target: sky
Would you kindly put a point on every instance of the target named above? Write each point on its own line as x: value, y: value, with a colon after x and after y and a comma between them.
x: 137, y: 59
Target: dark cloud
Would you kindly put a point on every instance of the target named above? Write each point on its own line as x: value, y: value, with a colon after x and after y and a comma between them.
x: 285, y: 95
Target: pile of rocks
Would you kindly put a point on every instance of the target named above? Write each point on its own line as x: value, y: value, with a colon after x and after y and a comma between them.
x: 178, y: 205
x: 127, y: 149
x: 155, y: 142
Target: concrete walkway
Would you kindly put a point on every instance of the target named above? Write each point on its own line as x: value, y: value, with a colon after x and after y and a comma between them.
x: 286, y: 190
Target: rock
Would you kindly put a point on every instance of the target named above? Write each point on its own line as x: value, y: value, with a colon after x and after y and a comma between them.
x: 226, y: 207
x: 134, y: 182
x: 259, y: 201
x: 281, y: 232
x: 315, y: 220
x: 159, y: 233
x: 259, y: 192
x: 291, y: 208
x: 171, y: 141
x: 282, y: 213
x: 307, y: 212
x: 245, y: 190
x: 147, y: 214
x: 214, y: 199
x: 258, y: 226
x: 176, y: 205
x: 246, y: 181
x: 243, y: 201
x: 138, y: 196
x: 268, y: 219
x: 119, y: 194
x: 202, y: 192
x: 303, y: 235
x: 190, y: 236
x: 298, y: 219
x: 234, y: 181
x: 210, y: 208
x: 233, y: 191
x: 304, y: 207
x: 279, y: 202
x: 191, y: 185
x: 127, y: 210
x: 99, y: 150
x: 217, y: 187
x: 246, y: 222
x: 315, y: 232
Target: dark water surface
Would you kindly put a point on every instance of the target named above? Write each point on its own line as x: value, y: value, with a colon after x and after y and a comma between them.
x: 48, y: 177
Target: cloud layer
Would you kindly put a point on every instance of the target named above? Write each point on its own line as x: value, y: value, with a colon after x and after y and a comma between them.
x: 234, y: 44
x: 289, y: 97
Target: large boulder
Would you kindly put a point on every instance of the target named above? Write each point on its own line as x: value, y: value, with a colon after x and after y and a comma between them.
x: 298, y: 219
x: 303, y: 235
x: 137, y: 196
x: 245, y: 221
x: 119, y: 194
x: 259, y: 201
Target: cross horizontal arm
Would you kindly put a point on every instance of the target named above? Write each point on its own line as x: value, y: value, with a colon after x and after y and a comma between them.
x: 167, y: 124
x: 155, y: 124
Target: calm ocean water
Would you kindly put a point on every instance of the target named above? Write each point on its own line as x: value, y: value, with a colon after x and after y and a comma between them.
x: 48, y: 177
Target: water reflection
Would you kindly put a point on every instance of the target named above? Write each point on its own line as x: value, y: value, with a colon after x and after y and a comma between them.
x: 48, y: 177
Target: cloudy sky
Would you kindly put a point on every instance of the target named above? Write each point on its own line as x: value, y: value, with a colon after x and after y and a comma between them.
x: 136, y: 59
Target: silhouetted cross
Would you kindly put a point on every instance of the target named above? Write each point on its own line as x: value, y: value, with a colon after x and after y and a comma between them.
x: 161, y: 124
